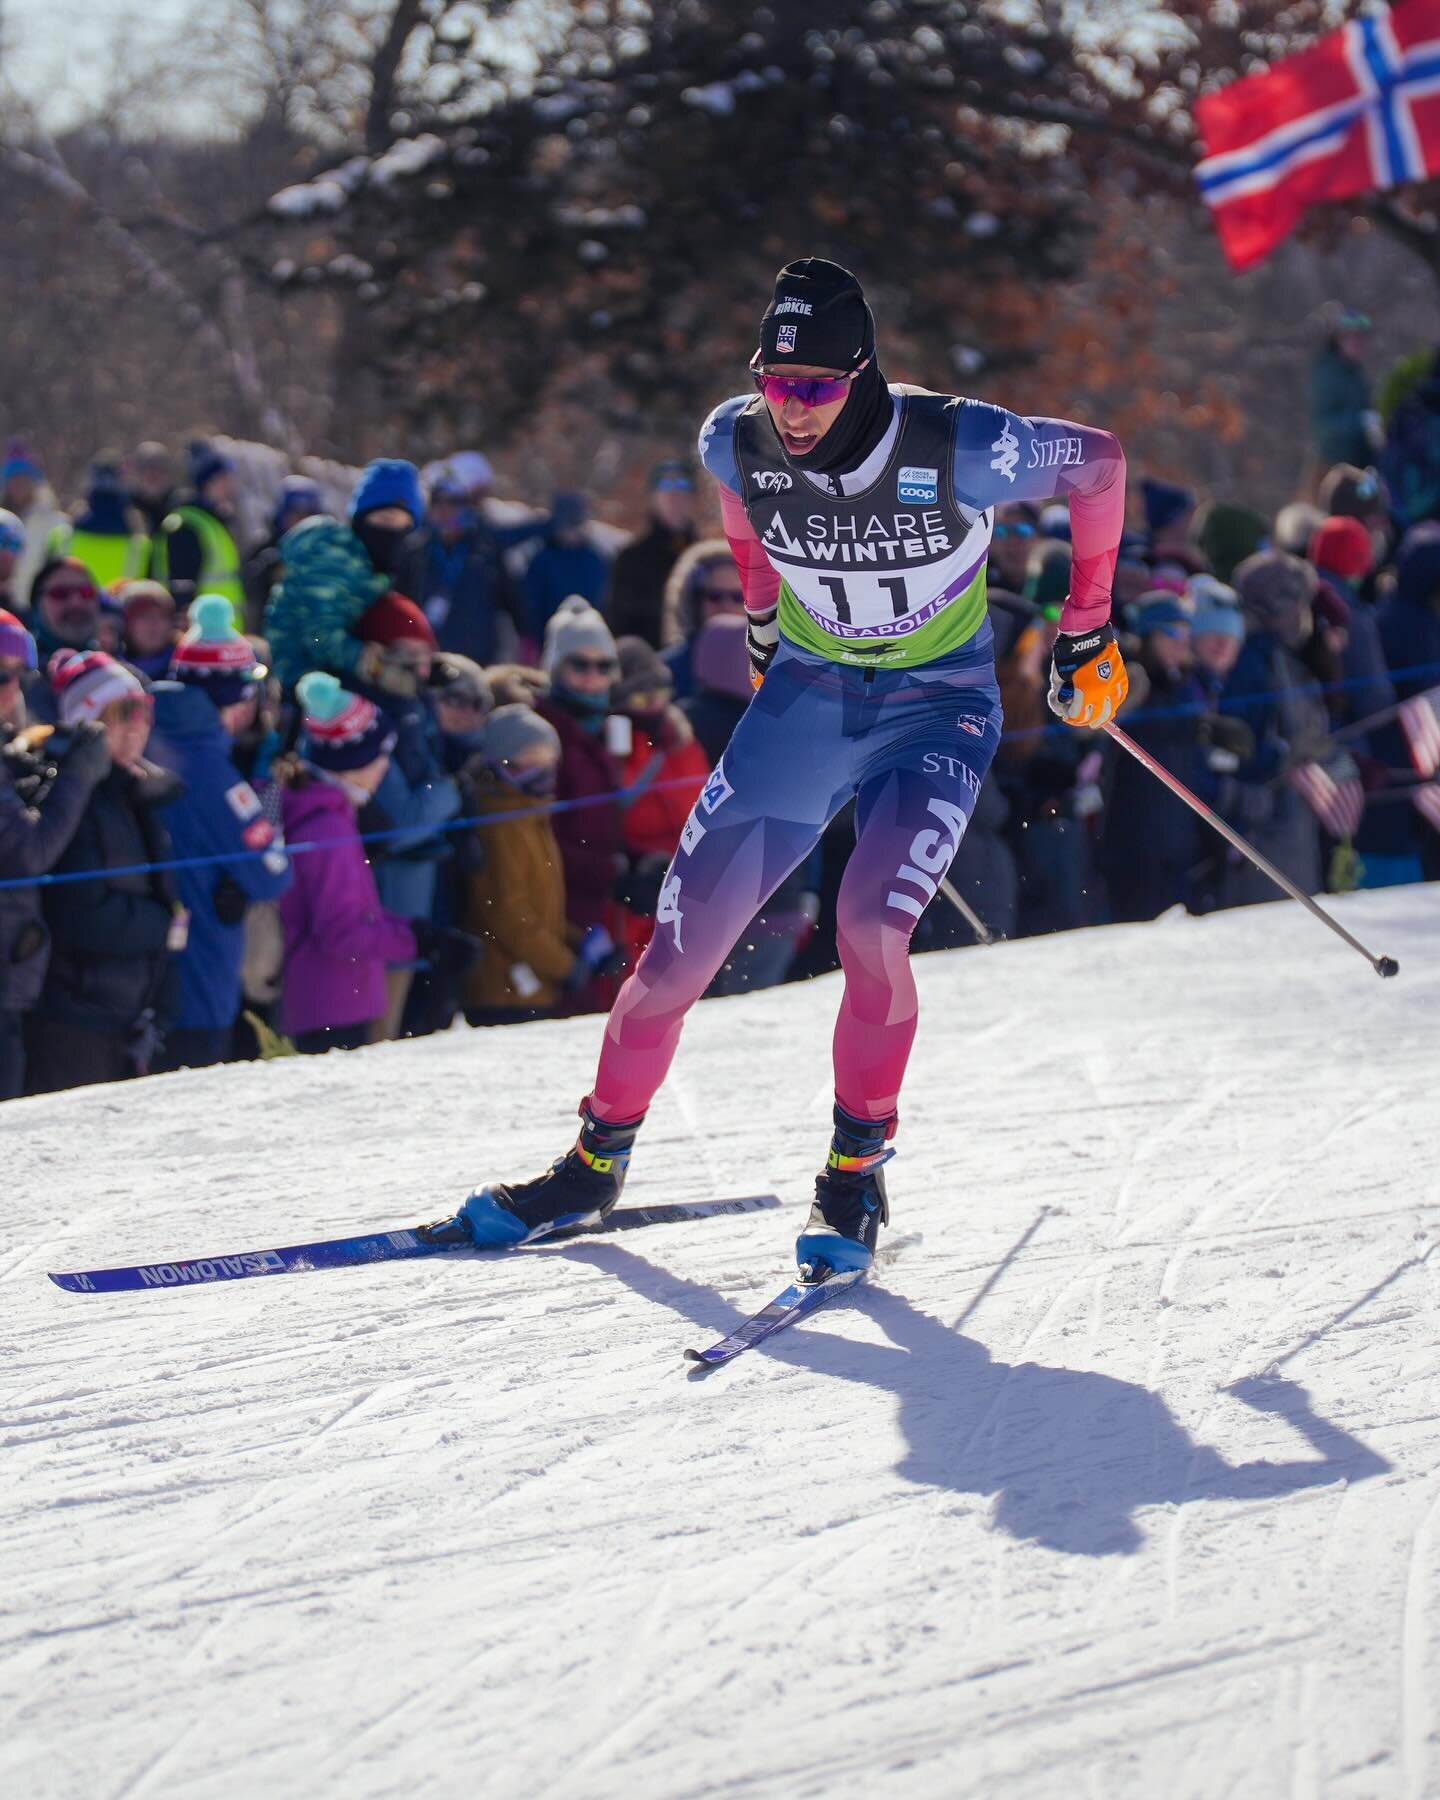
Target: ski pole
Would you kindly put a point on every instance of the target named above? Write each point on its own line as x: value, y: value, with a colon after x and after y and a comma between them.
x: 983, y: 933
x: 1382, y: 965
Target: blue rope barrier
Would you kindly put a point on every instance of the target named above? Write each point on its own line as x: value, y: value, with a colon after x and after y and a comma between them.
x: 1066, y: 733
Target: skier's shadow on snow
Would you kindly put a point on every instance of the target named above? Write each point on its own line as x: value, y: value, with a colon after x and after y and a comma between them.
x: 1069, y: 1455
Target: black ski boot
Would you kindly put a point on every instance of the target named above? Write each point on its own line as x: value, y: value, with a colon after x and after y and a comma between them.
x: 850, y: 1203
x: 580, y: 1189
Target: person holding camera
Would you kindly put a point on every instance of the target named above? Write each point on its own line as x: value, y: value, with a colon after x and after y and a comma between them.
x: 41, y: 799
x: 110, y: 991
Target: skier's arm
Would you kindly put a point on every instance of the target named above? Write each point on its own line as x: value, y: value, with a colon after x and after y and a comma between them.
x: 1000, y: 457
x: 759, y: 579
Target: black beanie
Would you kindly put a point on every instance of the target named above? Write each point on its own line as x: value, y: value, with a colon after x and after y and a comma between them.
x: 818, y: 317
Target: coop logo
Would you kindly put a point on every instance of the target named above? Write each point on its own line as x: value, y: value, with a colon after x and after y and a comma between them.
x: 794, y: 306
x: 1008, y: 447
x: 919, y: 487
x: 930, y: 855
x: 785, y: 340
x: 667, y: 910
x: 716, y: 791
x: 772, y: 481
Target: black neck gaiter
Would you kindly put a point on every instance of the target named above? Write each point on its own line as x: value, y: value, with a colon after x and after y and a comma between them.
x: 862, y: 422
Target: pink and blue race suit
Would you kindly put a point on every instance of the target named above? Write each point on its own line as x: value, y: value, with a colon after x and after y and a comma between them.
x: 882, y: 691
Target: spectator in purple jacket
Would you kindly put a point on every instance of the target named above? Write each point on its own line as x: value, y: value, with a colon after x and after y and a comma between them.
x: 338, y: 937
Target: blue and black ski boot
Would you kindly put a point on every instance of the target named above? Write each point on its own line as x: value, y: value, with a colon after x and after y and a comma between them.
x: 850, y: 1203
x: 580, y: 1189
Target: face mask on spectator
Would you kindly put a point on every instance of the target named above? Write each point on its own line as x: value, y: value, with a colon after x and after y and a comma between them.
x: 382, y: 540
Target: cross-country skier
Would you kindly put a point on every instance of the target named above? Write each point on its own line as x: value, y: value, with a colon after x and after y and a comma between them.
x: 860, y: 514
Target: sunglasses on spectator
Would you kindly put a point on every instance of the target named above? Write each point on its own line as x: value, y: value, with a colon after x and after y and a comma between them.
x: 1019, y: 529
x: 733, y: 595
x: 7, y: 676
x: 77, y: 591
x: 593, y: 665
x: 818, y: 390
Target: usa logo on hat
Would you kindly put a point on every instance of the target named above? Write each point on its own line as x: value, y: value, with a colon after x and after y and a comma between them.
x: 785, y: 338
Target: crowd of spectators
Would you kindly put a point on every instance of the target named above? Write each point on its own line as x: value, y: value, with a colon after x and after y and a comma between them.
x: 374, y: 773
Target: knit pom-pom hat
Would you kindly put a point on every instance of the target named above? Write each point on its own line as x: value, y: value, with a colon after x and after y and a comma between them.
x: 342, y: 730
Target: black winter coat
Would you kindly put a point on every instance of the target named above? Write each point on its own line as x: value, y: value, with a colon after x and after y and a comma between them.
x: 109, y: 965
x: 39, y: 811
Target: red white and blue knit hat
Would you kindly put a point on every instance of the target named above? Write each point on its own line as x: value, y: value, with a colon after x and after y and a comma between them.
x: 87, y: 681
x: 342, y: 730
x: 214, y: 655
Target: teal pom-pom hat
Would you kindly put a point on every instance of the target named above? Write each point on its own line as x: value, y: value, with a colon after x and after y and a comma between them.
x: 342, y: 730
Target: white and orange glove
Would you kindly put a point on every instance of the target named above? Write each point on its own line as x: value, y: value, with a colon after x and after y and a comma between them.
x: 762, y: 640
x: 1088, y: 683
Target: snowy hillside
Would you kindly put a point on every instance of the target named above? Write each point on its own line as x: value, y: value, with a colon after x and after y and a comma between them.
x: 1122, y: 1479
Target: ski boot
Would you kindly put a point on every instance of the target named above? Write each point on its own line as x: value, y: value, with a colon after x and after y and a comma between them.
x: 580, y: 1189
x: 850, y: 1203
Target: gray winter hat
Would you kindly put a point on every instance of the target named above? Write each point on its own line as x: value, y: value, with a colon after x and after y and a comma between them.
x: 511, y: 730
x: 1274, y: 588
x: 574, y: 629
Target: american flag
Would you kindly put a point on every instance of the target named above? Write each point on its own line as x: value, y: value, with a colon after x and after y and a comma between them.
x: 1356, y: 112
x: 1421, y: 726
x: 1427, y: 803
x: 1333, y: 792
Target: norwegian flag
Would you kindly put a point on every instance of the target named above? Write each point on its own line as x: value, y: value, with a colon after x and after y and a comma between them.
x: 1334, y: 793
x: 1418, y: 720
x: 1356, y: 112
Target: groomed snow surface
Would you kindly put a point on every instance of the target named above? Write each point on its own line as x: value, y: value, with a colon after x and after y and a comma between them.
x: 1122, y: 1478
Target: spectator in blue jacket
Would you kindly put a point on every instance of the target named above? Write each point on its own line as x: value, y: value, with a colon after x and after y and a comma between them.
x: 453, y: 569
x: 566, y: 563
x: 213, y: 685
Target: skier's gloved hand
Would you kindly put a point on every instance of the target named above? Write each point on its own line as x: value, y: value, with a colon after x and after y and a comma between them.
x: 1088, y: 683
x: 448, y: 950
x: 762, y: 640
x: 638, y: 888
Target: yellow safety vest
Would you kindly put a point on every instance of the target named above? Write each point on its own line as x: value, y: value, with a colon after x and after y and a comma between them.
x: 110, y: 556
x: 219, y: 559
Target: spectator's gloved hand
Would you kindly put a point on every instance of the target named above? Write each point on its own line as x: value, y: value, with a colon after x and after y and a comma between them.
x: 378, y: 668
x: 88, y: 758
x: 762, y: 640
x: 229, y: 900
x: 448, y: 950
x: 1230, y: 743
x: 1307, y: 746
x: 638, y: 887
x: 596, y: 956
x: 1088, y: 683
